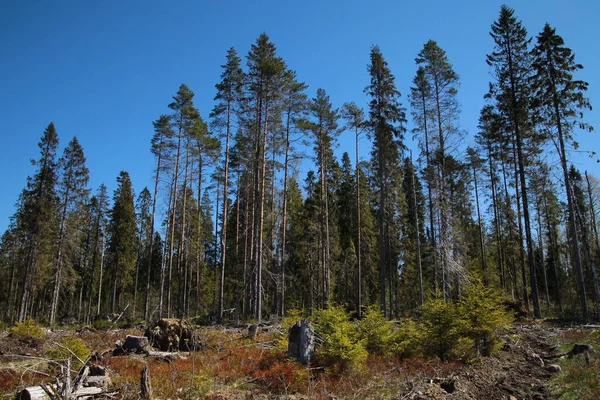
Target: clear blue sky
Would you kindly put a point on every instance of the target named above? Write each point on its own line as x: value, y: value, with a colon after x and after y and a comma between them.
x: 104, y: 70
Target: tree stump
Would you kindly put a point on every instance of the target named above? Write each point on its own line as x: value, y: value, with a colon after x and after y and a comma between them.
x: 302, y: 342
x: 146, y: 386
x: 136, y: 344
x: 252, y: 331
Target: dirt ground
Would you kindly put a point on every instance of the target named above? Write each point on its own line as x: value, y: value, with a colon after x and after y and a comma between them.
x: 522, y: 369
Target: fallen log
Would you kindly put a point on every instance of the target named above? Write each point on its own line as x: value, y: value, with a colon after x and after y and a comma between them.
x: 166, y: 355
x: 39, y: 393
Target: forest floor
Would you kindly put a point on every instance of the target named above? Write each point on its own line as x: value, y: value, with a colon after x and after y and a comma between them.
x: 233, y: 367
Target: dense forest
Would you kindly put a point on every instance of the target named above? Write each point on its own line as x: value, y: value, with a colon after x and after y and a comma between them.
x: 234, y: 226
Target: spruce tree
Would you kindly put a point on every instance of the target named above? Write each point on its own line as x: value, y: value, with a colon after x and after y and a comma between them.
x: 510, y: 61
x: 559, y: 100
x: 38, y: 222
x: 324, y: 129
x: 122, y: 244
x: 73, y: 194
x: 386, y: 119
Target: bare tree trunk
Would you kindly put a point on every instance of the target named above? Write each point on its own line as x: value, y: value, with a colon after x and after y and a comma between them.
x: 541, y: 246
x: 101, y: 270
x: 521, y: 163
x: 261, y: 204
x: 225, y: 208
x: 574, y: 237
x: 172, y: 224
x: 417, y: 234
x: 499, y: 244
x: 284, y: 217
x: 151, y: 240
x: 479, y: 223
x: 59, y: 254
x: 358, y: 234
x: 181, y: 262
x: 518, y: 198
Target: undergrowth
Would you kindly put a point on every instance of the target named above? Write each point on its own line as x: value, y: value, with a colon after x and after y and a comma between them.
x: 578, y: 380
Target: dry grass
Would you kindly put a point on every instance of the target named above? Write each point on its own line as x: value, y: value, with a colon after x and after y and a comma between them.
x: 232, y: 367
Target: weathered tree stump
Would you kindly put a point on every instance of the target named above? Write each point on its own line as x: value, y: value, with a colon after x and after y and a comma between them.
x: 145, y: 384
x: 580, y: 349
x: 136, y: 344
x: 32, y: 393
x: 302, y: 342
x: 252, y: 331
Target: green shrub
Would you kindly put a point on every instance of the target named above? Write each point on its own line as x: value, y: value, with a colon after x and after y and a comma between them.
x: 28, y: 328
x: 101, y: 324
x: 377, y: 332
x: 440, y: 327
x: 341, y: 341
x: 294, y: 315
x: 68, y: 346
x: 481, y: 314
x: 408, y: 338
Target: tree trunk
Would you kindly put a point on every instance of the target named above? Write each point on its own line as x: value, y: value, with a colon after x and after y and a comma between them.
x: 224, y: 223
x: 574, y: 237
x: 521, y: 162
x: 358, y: 235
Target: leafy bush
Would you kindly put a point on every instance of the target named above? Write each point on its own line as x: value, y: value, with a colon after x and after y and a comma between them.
x: 28, y: 328
x: 481, y: 314
x: 342, y: 343
x: 68, y: 346
x: 377, y: 332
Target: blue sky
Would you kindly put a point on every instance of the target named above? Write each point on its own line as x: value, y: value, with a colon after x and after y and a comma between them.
x: 104, y: 70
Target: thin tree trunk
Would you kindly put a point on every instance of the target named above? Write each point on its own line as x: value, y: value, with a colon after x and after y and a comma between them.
x: 574, y: 237
x: 151, y: 240
x: 284, y: 216
x: 499, y: 245
x: 358, y: 235
x: 521, y: 162
x: 101, y: 271
x: 417, y: 234
x: 172, y: 225
x: 224, y: 223
x: 479, y: 223
x: 59, y: 251
x: 518, y: 198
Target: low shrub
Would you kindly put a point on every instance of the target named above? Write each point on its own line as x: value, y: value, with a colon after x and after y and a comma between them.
x: 377, y: 332
x: 408, y: 338
x: 440, y: 327
x: 67, y: 347
x: 342, y: 343
x: 481, y: 313
x: 28, y: 328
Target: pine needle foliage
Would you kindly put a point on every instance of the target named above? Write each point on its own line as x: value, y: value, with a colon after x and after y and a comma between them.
x: 341, y: 342
x: 481, y: 315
